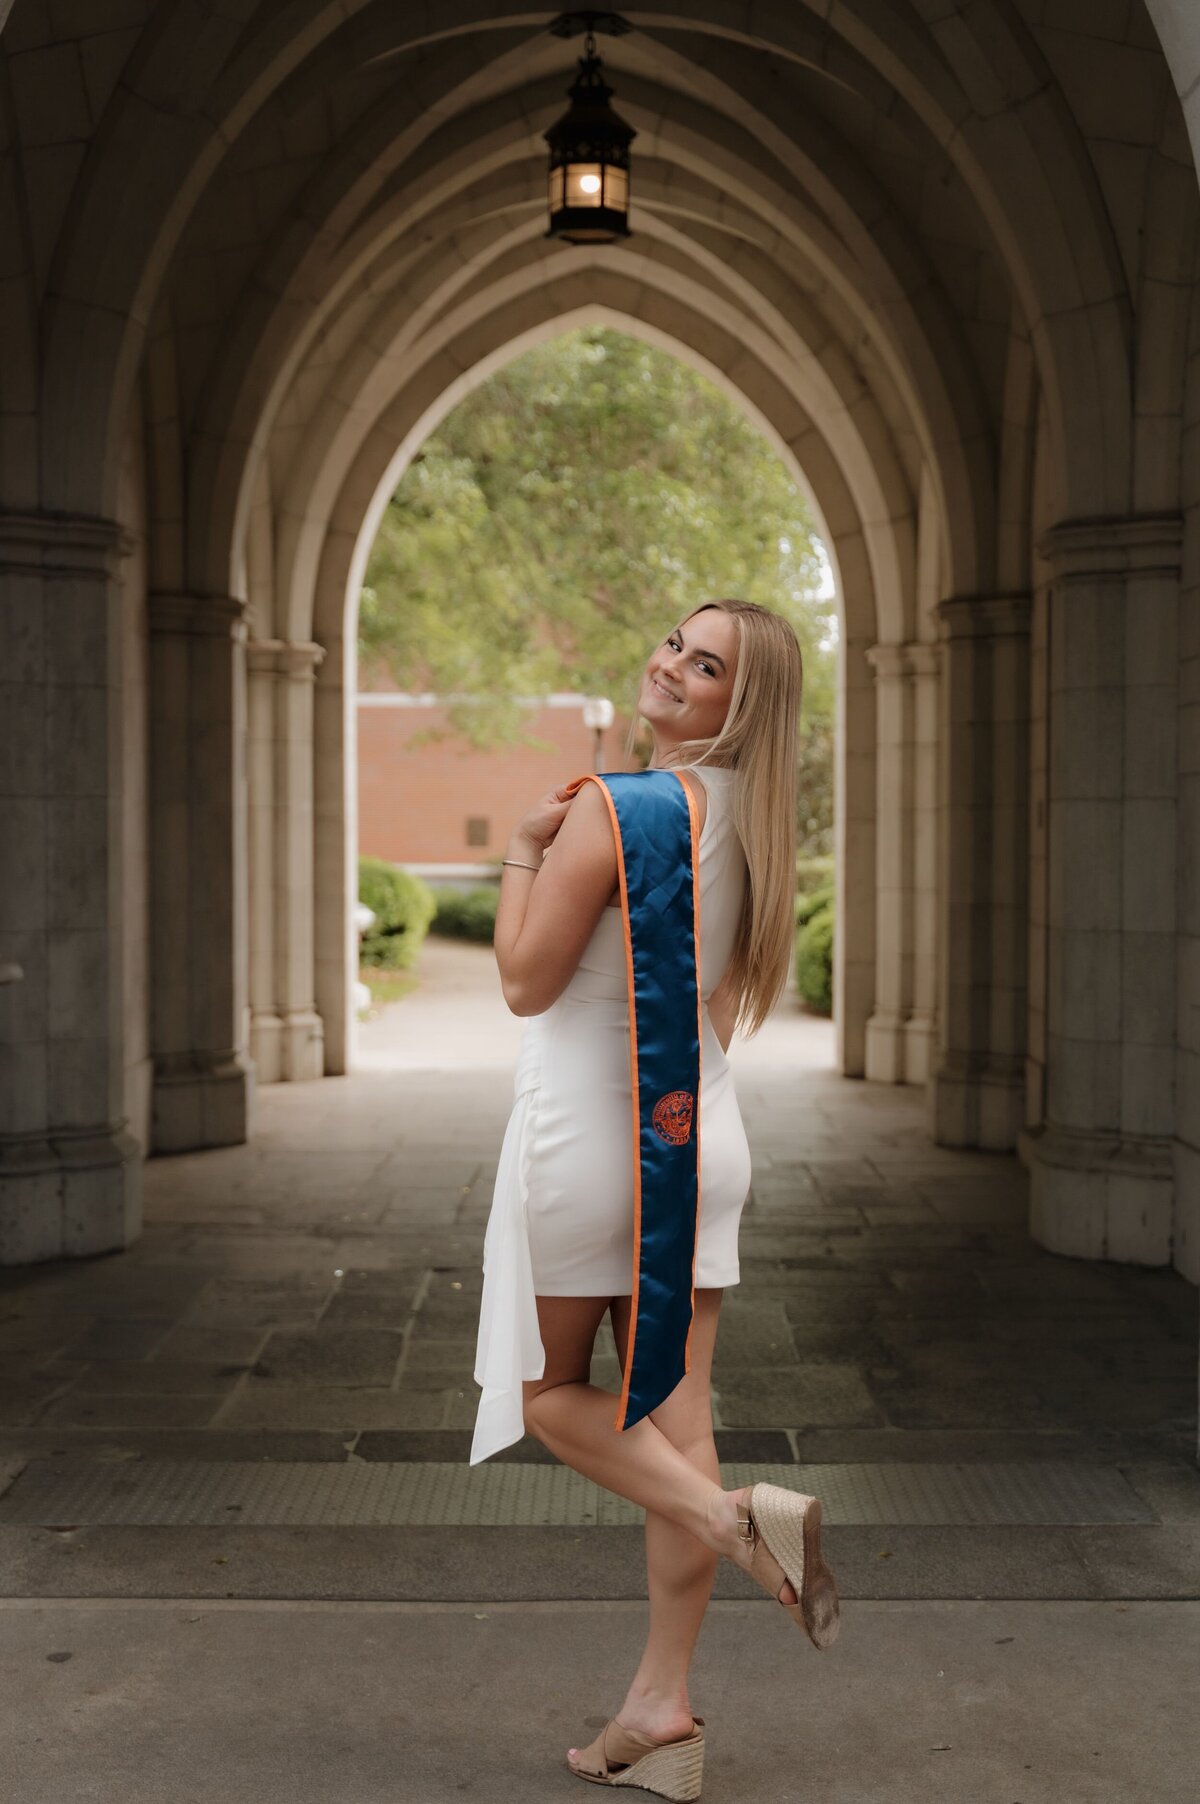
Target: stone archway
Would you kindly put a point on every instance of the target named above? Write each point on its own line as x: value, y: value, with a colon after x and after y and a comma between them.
x: 907, y: 242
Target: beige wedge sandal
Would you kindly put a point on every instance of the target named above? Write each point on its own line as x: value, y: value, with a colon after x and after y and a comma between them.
x: 783, y: 1530
x: 620, y: 1756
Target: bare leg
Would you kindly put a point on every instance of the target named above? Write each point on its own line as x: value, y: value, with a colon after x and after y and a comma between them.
x: 679, y: 1568
x: 575, y: 1420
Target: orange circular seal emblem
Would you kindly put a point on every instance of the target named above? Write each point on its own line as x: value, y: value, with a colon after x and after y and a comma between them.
x: 672, y: 1117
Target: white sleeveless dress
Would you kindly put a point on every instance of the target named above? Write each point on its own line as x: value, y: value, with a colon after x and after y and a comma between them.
x: 561, y: 1222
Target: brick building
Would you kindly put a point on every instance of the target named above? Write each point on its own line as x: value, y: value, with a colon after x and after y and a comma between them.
x: 445, y: 808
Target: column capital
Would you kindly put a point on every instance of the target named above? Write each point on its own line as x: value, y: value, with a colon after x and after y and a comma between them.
x: 295, y: 658
x: 985, y: 616
x: 204, y: 616
x: 1138, y: 544
x: 58, y: 545
x: 913, y: 657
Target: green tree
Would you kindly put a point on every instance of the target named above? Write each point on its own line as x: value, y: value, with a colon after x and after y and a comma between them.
x: 563, y: 516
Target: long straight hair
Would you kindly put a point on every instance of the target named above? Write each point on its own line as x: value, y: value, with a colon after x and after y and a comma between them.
x: 758, y: 739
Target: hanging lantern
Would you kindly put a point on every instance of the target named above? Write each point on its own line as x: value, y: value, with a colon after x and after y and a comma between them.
x: 589, y: 148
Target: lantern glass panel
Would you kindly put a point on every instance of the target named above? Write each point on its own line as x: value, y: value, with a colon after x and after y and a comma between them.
x: 585, y: 185
x: 616, y: 188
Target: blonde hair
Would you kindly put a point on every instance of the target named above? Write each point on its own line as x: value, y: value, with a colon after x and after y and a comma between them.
x: 758, y: 738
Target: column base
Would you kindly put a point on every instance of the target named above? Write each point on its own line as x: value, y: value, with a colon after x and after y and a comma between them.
x: 266, y: 1046
x: 198, y: 1105
x: 884, y: 1053
x: 976, y: 1105
x: 303, y: 1046
x: 1185, y: 1205
x: 1098, y: 1196
x: 70, y: 1194
x: 920, y: 1044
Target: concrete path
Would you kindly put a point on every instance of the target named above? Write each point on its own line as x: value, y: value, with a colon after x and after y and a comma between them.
x: 280, y: 1703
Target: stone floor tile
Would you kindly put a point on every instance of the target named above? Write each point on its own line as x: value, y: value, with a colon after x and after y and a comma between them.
x: 1121, y: 1562
x: 250, y: 1302
x: 943, y: 1403
x: 24, y: 1400
x: 1172, y: 1491
x: 40, y: 1337
x: 223, y: 1346
x: 422, y: 1354
x: 330, y: 1356
x: 260, y: 1403
x: 796, y: 1397
x: 123, y: 1441
x: 92, y: 1409
x: 753, y: 1332
x: 157, y: 1377
x: 390, y: 1308
x: 129, y: 1339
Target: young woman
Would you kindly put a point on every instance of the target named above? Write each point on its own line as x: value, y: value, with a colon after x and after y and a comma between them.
x: 721, y: 695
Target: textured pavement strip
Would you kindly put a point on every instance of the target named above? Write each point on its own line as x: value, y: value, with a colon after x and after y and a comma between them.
x: 181, y: 1493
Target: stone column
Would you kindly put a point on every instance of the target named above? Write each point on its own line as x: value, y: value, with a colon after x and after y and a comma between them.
x: 266, y: 1027
x: 70, y: 1170
x: 900, y: 1029
x: 854, y: 827
x: 335, y: 797
x: 285, y: 1019
x: 203, y: 1076
x: 1100, y: 1162
x: 977, y: 1094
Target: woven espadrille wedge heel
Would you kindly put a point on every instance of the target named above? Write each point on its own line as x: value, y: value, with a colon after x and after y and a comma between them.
x: 620, y: 1756
x: 783, y: 1530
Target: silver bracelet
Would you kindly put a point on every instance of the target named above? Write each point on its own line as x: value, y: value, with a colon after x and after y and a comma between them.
x: 521, y: 864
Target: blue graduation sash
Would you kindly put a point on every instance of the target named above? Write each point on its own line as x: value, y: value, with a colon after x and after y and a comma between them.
x: 658, y: 864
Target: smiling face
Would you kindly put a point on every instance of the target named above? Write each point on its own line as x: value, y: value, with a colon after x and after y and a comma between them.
x: 688, y: 680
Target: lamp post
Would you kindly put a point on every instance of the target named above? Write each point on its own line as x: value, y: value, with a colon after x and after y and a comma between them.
x: 597, y: 714
x: 589, y: 145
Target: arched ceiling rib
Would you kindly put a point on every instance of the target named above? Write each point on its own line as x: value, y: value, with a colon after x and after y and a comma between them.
x: 330, y: 568
x: 299, y: 284
x: 974, y: 79
x: 805, y: 399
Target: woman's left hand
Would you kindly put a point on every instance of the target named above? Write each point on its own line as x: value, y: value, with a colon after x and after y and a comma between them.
x: 539, y: 825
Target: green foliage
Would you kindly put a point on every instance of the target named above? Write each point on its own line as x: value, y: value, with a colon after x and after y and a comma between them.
x: 814, y: 873
x: 404, y: 906
x: 809, y: 905
x: 467, y: 914
x: 814, y: 953
x: 562, y: 517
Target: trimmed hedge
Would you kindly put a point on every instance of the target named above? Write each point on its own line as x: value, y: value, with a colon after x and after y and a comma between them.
x: 467, y: 914
x: 808, y: 906
x: 404, y: 906
x: 814, y: 950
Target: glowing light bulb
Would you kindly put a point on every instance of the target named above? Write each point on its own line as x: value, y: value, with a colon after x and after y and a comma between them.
x: 590, y: 184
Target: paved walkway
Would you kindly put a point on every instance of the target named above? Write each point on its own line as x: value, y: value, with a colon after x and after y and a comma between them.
x: 233, y: 1501
x: 336, y: 1703
x: 318, y: 1288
